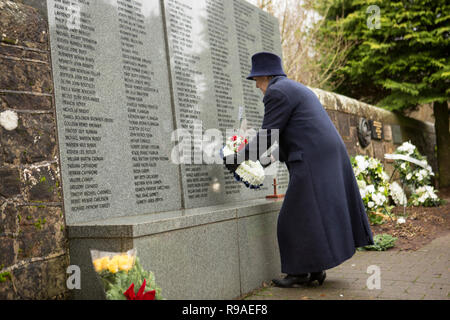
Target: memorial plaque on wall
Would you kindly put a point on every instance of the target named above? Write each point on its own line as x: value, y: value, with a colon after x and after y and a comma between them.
x: 397, y: 134
x: 387, y: 132
x: 210, y: 46
x: 113, y: 106
x: 377, y: 130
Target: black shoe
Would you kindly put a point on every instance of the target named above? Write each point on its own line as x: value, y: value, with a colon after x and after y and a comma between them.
x: 319, y: 276
x: 290, y: 280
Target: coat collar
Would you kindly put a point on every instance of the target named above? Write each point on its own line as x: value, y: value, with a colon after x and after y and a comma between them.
x: 273, y: 81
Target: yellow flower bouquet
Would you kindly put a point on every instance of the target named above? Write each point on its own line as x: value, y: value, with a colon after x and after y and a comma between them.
x: 121, y: 262
x: 121, y: 272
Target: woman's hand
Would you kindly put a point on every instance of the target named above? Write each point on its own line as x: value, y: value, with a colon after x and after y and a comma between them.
x: 231, y: 162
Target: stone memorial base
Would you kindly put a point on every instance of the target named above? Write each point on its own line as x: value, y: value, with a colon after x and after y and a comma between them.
x: 217, y: 252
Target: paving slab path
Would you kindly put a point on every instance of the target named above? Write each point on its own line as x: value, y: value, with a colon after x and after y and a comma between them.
x: 404, y: 275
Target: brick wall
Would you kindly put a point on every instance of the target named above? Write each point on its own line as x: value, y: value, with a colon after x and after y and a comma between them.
x: 33, y: 247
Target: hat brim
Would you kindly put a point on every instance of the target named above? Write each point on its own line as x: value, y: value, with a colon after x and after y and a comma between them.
x: 252, y: 75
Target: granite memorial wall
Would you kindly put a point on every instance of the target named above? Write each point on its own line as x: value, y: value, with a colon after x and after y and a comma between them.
x: 128, y: 74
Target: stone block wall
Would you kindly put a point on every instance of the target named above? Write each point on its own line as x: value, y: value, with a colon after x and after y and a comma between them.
x: 33, y: 245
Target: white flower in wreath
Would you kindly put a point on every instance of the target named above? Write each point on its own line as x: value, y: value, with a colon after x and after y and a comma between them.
x: 379, y: 199
x: 370, y: 189
x: 426, y: 192
x: 359, y: 159
x: 384, y: 176
x: 431, y: 192
x: 423, y: 198
x: 407, y: 147
x: 373, y: 163
x: 430, y: 170
x: 403, y: 166
x: 375, y: 199
x: 398, y: 195
x: 409, y: 176
x: 424, y: 173
x: 419, y: 176
x: 251, y: 172
x: 361, y: 184
x: 363, y: 193
x: 371, y: 204
x: 361, y: 163
x: 420, y: 190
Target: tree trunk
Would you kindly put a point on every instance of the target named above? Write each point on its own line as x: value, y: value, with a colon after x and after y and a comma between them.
x: 441, y: 114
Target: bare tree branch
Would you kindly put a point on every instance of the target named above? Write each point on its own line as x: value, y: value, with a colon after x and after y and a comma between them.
x: 309, y: 56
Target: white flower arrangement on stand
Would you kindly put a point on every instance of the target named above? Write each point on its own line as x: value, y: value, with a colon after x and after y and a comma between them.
x: 416, y: 173
x: 413, y: 167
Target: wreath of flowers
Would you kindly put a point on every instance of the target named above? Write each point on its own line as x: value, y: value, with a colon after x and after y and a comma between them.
x: 418, y: 178
x: 410, y: 173
x: 375, y: 188
x: 373, y: 183
x: 251, y: 173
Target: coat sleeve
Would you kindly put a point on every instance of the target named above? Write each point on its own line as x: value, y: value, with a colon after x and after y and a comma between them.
x: 277, y: 111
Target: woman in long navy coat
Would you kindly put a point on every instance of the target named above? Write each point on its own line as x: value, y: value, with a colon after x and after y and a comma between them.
x: 322, y: 220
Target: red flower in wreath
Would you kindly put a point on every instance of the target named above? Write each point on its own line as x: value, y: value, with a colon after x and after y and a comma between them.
x: 150, y: 295
x: 234, y: 138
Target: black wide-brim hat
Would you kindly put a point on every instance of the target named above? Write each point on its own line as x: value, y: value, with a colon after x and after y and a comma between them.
x: 266, y: 64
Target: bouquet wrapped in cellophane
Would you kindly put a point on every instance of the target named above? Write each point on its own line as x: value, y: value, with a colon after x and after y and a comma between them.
x: 123, y: 276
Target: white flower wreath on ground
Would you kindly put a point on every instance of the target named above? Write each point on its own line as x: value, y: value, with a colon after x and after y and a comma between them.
x: 373, y: 183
